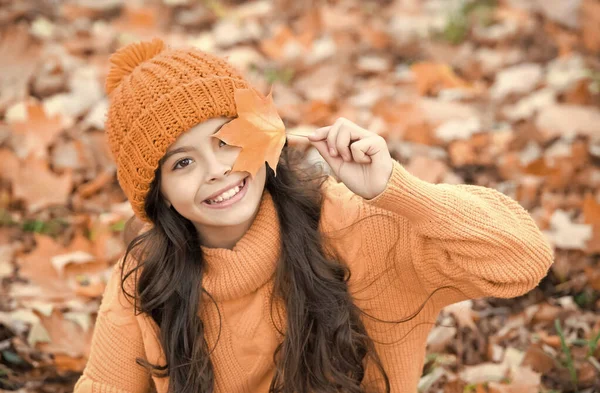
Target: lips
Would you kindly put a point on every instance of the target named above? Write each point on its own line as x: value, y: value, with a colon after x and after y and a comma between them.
x: 221, y: 191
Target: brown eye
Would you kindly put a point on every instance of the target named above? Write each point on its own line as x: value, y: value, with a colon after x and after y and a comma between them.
x: 180, y: 162
x: 221, y: 143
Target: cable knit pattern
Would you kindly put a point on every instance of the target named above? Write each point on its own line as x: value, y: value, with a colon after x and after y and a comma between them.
x: 116, y: 343
x: 157, y: 93
x: 405, y: 245
x: 231, y: 274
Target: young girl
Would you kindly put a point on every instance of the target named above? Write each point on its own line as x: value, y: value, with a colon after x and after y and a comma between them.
x: 281, y: 281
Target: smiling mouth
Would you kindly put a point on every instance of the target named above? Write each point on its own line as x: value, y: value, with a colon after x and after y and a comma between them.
x: 228, y: 196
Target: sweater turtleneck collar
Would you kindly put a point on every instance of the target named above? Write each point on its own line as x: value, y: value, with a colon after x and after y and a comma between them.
x: 230, y: 274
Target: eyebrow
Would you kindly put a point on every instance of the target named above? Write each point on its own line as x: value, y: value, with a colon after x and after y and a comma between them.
x: 183, y: 149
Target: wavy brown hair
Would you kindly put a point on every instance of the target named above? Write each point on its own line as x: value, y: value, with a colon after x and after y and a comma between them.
x: 325, y: 348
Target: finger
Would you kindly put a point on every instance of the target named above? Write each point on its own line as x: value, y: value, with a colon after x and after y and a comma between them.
x: 319, y: 134
x: 323, y: 149
x: 342, y: 143
x: 298, y: 142
x: 332, y: 136
x: 362, y: 151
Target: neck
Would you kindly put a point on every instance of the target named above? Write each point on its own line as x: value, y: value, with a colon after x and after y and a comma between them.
x: 223, y: 236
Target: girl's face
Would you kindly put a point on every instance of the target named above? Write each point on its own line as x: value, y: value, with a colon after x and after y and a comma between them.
x: 196, y: 179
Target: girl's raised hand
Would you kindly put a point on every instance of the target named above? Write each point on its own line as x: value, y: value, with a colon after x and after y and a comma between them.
x: 358, y: 157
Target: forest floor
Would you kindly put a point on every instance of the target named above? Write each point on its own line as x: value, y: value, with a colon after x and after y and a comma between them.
x: 504, y: 94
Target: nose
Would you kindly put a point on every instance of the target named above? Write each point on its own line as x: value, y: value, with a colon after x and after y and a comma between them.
x: 217, y: 171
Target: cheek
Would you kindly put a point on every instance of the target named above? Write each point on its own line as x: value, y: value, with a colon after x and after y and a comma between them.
x: 261, y: 177
x: 181, y: 191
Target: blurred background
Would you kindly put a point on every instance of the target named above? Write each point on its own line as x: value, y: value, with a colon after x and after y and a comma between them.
x: 499, y: 93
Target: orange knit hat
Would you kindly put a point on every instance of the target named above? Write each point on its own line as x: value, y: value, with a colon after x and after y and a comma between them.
x: 156, y: 93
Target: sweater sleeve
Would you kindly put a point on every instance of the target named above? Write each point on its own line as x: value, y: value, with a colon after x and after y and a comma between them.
x: 116, y: 343
x: 468, y: 237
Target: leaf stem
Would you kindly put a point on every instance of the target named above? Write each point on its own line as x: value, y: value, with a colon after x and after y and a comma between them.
x: 291, y: 133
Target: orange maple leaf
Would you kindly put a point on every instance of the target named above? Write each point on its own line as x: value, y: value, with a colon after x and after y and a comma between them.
x: 258, y: 130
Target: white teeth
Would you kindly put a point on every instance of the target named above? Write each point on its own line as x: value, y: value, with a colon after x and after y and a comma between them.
x: 226, y: 195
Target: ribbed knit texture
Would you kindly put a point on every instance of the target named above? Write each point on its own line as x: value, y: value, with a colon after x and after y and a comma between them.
x: 411, y: 240
x: 157, y: 93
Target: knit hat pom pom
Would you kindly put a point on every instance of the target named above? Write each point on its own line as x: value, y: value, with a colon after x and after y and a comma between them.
x: 127, y: 58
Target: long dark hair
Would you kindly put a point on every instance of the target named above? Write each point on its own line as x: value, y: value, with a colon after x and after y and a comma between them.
x: 325, y: 346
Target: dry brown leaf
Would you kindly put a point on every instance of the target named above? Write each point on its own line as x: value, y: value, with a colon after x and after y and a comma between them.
x: 9, y: 165
x: 57, y: 280
x: 590, y: 24
x: 285, y: 45
x: 139, y: 20
x: 428, y: 169
x: 374, y: 36
x: 73, y: 11
x: 316, y: 112
x: 66, y: 336
x: 19, y: 56
x: 593, y: 277
x: 33, y: 136
x: 546, y: 313
x: 67, y: 363
x: 538, y: 359
x: 523, y: 380
x: 37, y: 268
x: 484, y: 372
x: 463, y: 312
x: 551, y: 340
x: 591, y: 215
x: 92, y: 187
x: 433, y: 77
x: 39, y: 187
x: 591, y: 209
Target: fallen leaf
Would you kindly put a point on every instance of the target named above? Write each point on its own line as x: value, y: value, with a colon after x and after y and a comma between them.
x: 38, y: 334
x: 484, y: 372
x: 36, y: 267
x: 34, y: 134
x: 47, y: 189
x: 56, y: 279
x: 287, y: 46
x: 567, y: 120
x: 65, y: 335
x: 440, y: 337
x: 258, y: 130
x: 322, y: 83
x: 59, y: 261
x: 551, y: 340
x: 591, y: 216
x: 519, y: 79
x: 591, y: 209
x: 567, y: 235
x: 95, y: 185
x: 433, y: 77
x: 463, y: 312
x: 590, y: 24
x: 523, y: 380
x: 538, y: 359
x: 19, y: 56
x: 425, y: 168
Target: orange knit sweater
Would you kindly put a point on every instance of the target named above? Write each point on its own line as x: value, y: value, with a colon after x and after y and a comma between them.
x: 413, y: 238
